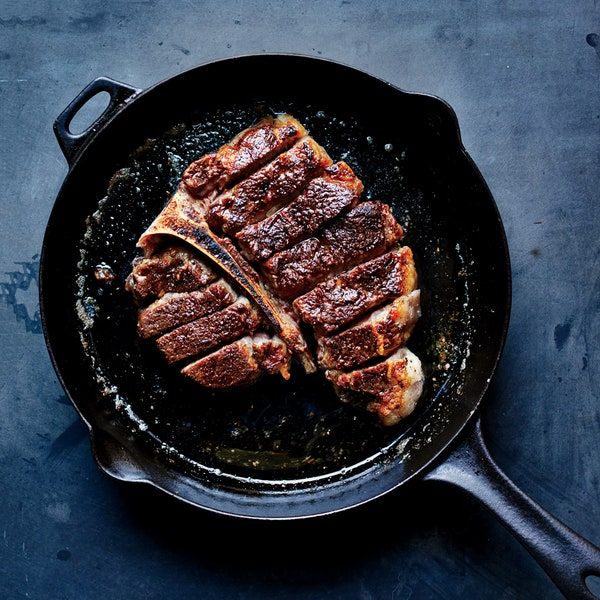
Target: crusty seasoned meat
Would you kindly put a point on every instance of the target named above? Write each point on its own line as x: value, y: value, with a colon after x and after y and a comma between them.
x: 240, y: 363
x: 248, y: 151
x: 323, y: 199
x: 342, y: 299
x: 175, y: 269
x: 183, y: 219
x: 366, y: 231
x: 379, y: 334
x: 392, y: 386
x: 206, y: 333
x: 269, y: 187
x: 271, y: 354
x: 175, y: 309
x: 273, y: 193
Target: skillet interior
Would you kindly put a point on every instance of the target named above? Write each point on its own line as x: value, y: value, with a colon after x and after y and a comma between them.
x: 274, y: 436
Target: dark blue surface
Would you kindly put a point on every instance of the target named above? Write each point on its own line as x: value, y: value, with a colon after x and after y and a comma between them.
x: 524, y: 79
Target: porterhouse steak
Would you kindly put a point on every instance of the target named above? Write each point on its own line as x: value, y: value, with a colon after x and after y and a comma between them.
x: 266, y: 238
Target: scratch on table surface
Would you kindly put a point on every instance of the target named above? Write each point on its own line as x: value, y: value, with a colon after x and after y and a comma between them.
x: 13, y: 80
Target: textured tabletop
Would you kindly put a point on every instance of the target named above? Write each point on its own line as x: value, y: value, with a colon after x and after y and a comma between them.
x: 524, y: 79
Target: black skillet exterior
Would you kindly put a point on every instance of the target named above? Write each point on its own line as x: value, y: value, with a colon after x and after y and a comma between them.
x: 93, y: 159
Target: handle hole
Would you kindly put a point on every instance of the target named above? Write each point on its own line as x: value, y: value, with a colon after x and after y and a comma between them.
x: 88, y: 114
x: 592, y: 583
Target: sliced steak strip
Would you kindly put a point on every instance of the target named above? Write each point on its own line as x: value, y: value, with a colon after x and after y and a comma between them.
x: 379, y: 334
x: 248, y: 151
x: 274, y: 184
x: 393, y: 386
x: 366, y: 231
x: 240, y: 363
x: 176, y: 269
x: 324, y: 199
x: 175, y: 309
x: 342, y: 299
x: 204, y: 334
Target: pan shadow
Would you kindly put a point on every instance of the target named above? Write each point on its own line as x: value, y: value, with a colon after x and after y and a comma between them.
x: 420, y: 518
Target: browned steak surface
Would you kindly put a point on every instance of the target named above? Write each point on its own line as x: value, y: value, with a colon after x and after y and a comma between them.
x: 248, y: 151
x: 240, y: 363
x: 274, y: 184
x: 201, y: 335
x: 175, y: 269
x: 379, y: 334
x: 342, y: 299
x: 324, y: 198
x: 175, y: 309
x: 391, y: 387
x: 366, y: 231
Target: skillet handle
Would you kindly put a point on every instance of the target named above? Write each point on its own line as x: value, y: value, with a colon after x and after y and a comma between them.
x: 565, y: 556
x: 113, y: 458
x: 71, y: 143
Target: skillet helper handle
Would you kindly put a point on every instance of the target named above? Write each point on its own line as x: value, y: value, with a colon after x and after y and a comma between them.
x: 565, y: 556
x: 71, y: 143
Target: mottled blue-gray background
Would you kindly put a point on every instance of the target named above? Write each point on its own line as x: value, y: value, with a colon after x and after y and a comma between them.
x: 524, y: 79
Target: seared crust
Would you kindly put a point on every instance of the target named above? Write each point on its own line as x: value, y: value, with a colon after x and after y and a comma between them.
x: 365, y: 232
x: 340, y: 300
x: 379, y: 334
x: 240, y: 363
x: 324, y: 198
x: 175, y: 309
x: 183, y: 218
x: 201, y: 335
x: 176, y: 269
x: 230, y: 366
x: 272, y: 185
x: 393, y: 386
x: 248, y: 151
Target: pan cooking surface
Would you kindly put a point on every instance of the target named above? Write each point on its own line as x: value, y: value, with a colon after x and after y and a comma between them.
x: 273, y: 429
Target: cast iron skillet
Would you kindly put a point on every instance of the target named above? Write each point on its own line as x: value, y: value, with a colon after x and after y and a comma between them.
x: 277, y: 450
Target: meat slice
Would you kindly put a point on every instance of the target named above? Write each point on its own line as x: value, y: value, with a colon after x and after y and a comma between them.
x: 204, y: 334
x: 269, y: 187
x: 175, y: 309
x: 175, y: 269
x: 366, y: 231
x: 379, y: 334
x: 393, y: 386
x: 271, y: 354
x: 240, y: 363
x: 248, y: 151
x: 342, y: 299
x: 324, y: 199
